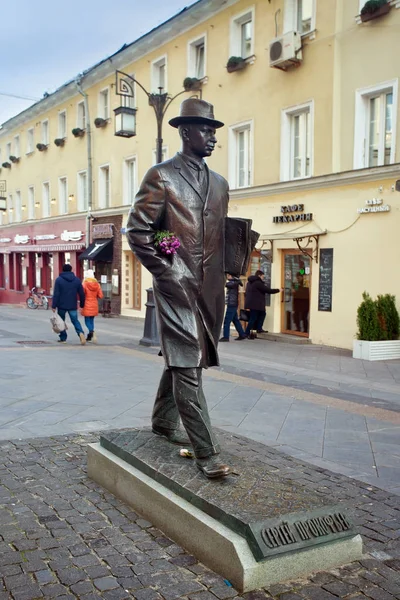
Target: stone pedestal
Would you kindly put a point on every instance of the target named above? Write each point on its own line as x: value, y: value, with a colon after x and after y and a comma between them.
x: 253, y: 527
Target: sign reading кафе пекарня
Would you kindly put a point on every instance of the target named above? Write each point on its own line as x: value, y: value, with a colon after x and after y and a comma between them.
x: 287, y: 215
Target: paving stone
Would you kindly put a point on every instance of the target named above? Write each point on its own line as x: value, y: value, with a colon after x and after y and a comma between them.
x: 339, y: 588
x: 106, y: 583
x: 182, y: 588
x: 223, y: 591
x: 27, y: 592
x: 45, y: 576
x: 148, y: 594
x: 71, y: 576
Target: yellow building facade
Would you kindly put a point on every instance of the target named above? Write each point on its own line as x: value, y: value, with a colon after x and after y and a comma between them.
x: 310, y: 148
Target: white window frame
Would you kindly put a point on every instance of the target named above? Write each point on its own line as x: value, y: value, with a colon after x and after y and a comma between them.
x: 361, y: 134
x: 233, y: 171
x: 17, y: 146
x: 45, y: 201
x: 165, y: 155
x: 128, y: 194
x: 236, y: 32
x: 10, y: 207
x: 8, y: 151
x: 103, y: 108
x: 290, y: 17
x: 45, y: 132
x: 155, y: 73
x: 192, y: 56
x: 102, y: 200
x: 62, y: 132
x: 31, y: 202
x: 82, y: 191
x: 63, y: 190
x: 286, y: 140
x: 81, y: 115
x: 30, y: 140
x: 130, y: 101
x: 18, y: 206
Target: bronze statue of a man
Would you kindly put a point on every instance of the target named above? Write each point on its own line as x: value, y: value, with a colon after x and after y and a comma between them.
x: 184, y: 196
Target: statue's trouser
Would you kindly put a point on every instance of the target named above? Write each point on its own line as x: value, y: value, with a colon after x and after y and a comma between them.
x: 180, y: 394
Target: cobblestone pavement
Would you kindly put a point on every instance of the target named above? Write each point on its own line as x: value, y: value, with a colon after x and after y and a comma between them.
x: 64, y: 537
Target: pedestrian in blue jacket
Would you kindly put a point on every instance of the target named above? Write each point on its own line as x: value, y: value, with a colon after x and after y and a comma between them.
x: 67, y: 288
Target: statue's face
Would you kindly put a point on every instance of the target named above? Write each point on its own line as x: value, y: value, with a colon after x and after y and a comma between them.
x: 201, y: 139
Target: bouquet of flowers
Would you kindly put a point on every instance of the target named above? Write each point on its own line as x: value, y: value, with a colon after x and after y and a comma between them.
x: 167, y: 242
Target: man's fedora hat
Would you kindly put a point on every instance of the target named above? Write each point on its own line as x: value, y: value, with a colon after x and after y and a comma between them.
x: 194, y: 110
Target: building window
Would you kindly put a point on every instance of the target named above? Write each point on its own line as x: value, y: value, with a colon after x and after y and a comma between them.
x: 104, y: 104
x: 62, y: 124
x: 197, y: 58
x: 242, y: 34
x: 31, y: 202
x: 18, y: 209
x: 104, y: 187
x: 240, y: 157
x: 82, y: 191
x: 10, y: 208
x: 8, y: 151
x: 299, y: 16
x: 81, y: 115
x: 45, y: 132
x: 375, y: 126
x: 297, y: 142
x: 30, y: 140
x: 130, y: 180
x: 159, y: 75
x: 164, y: 155
x: 62, y: 195
x: 46, y: 199
x: 17, y: 147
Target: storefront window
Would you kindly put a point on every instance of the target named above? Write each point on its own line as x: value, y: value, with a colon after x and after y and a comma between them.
x: 51, y: 273
x: 2, y: 271
x: 18, y: 272
x: 38, y: 271
x: 11, y: 271
x: 24, y: 271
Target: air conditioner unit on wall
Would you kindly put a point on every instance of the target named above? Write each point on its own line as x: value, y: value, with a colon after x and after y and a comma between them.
x: 285, y: 51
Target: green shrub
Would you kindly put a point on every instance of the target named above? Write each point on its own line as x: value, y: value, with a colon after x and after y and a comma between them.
x: 378, y: 319
x: 388, y: 317
x: 367, y: 320
x: 371, y: 6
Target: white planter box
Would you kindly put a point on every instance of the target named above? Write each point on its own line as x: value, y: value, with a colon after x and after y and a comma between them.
x: 388, y: 350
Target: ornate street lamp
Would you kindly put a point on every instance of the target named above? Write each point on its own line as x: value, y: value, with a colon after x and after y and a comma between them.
x: 125, y: 116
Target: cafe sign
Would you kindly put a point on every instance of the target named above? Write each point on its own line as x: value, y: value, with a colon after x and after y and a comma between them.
x: 21, y: 239
x: 373, y: 206
x: 45, y: 236
x: 102, y: 231
x: 5, y: 240
x: 292, y: 213
x: 71, y: 236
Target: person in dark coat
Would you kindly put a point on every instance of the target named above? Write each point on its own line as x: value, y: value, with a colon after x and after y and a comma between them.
x: 183, y: 196
x: 67, y: 288
x: 255, y: 301
x: 232, y: 303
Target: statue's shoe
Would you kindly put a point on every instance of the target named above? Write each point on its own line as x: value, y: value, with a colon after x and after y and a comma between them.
x: 175, y: 436
x: 212, y: 467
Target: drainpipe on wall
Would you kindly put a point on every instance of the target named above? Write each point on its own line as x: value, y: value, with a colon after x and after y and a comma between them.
x: 89, y: 158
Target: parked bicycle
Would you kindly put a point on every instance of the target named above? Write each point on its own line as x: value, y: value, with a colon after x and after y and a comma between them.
x: 37, y: 297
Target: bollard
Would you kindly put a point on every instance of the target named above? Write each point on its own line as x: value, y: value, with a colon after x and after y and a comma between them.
x: 150, y: 334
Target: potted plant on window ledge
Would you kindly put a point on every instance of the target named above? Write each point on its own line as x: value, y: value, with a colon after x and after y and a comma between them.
x: 373, y: 9
x: 6, y: 165
x: 14, y: 159
x: 78, y: 132
x: 378, y: 329
x: 192, y: 84
x: 99, y: 122
x: 41, y: 147
x: 59, y: 142
x: 236, y: 63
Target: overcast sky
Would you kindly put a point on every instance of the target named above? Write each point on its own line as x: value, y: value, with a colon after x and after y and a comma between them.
x: 45, y: 43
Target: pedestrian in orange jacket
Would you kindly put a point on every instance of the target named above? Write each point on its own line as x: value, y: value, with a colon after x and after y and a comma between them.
x: 93, y: 291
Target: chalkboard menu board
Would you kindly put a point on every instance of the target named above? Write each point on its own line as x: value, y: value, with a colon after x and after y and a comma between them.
x: 325, y: 279
x: 265, y: 265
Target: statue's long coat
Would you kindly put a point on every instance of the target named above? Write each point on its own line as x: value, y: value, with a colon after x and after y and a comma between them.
x: 188, y: 286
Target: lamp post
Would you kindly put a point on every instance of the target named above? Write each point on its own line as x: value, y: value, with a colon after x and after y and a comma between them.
x: 125, y: 115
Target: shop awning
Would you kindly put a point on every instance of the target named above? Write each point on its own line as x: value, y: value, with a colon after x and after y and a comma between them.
x: 307, y: 241
x: 101, y: 250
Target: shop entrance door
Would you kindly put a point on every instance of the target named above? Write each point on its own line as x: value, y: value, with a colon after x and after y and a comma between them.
x: 296, y: 281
